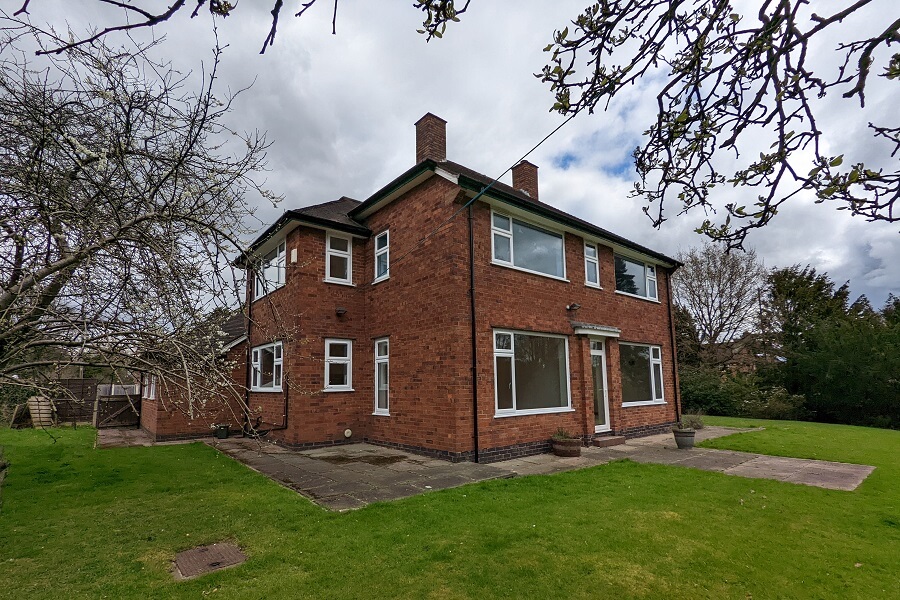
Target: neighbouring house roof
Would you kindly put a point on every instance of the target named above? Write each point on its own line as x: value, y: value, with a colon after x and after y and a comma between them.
x: 475, y: 181
x: 234, y: 330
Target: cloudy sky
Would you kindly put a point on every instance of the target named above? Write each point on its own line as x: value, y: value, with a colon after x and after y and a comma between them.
x: 339, y: 111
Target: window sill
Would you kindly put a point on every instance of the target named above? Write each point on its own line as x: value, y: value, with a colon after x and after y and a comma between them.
x: 266, y: 390
x: 380, y: 279
x: 333, y: 390
x: 645, y: 403
x: 538, y: 273
x: 534, y: 411
x: 644, y: 298
x: 593, y: 285
x: 339, y: 282
x: 381, y: 413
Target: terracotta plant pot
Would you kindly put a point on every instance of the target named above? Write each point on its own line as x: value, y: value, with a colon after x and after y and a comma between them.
x: 566, y: 447
x: 684, y: 438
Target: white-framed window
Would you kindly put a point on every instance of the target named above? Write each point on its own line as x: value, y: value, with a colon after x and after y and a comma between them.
x: 149, y: 384
x: 382, y: 376
x: 270, y: 272
x: 266, y: 368
x: 635, y: 278
x: 382, y: 256
x: 527, y: 247
x: 531, y: 373
x: 591, y: 265
x: 642, y: 374
x: 338, y: 365
x: 338, y: 259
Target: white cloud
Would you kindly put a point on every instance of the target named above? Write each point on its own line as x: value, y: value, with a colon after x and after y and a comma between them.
x: 340, y: 112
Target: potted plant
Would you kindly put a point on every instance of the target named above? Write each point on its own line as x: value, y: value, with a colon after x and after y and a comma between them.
x: 685, y: 430
x: 565, y: 443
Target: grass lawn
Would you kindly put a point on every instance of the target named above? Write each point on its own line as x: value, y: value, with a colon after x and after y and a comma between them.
x: 83, y: 523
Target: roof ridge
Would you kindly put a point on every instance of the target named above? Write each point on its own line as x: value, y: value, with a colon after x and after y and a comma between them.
x: 341, y: 199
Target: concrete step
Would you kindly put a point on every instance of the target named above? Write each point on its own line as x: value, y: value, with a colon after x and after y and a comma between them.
x: 608, y: 440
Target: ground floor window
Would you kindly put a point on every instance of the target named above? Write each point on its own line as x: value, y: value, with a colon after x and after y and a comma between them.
x: 641, y: 367
x: 382, y: 356
x: 266, y: 363
x: 149, y: 386
x: 338, y: 365
x: 531, y: 372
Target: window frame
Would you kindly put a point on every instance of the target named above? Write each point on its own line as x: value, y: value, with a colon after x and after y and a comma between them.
x: 650, y: 271
x: 385, y: 360
x: 346, y: 360
x: 508, y: 234
x: 595, y: 261
x: 260, y: 283
x: 277, y: 361
x: 348, y: 254
x: 149, y: 385
x: 510, y: 353
x: 386, y: 251
x: 657, y: 361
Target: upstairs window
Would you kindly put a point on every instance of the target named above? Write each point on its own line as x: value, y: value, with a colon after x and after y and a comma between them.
x: 266, y: 363
x: 382, y: 256
x: 338, y: 259
x: 338, y: 366
x: 270, y: 272
x: 527, y: 247
x: 591, y: 265
x: 635, y: 278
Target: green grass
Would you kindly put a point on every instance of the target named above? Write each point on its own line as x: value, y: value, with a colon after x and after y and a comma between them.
x: 83, y: 523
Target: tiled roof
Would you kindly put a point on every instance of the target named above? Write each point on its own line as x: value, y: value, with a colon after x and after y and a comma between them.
x: 527, y: 201
x: 335, y: 211
x: 234, y: 328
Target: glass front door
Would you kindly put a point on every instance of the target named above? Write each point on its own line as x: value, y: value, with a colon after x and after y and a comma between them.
x: 601, y: 401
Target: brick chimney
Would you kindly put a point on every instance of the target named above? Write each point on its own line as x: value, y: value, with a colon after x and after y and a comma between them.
x: 431, y: 138
x: 525, y: 178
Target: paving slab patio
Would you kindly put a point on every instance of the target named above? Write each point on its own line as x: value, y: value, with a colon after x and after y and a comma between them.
x: 351, y: 476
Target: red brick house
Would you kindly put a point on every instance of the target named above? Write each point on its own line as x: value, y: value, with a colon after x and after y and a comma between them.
x: 457, y: 322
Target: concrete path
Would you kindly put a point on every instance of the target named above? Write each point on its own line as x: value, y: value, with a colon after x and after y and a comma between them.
x: 661, y: 449
x: 351, y: 476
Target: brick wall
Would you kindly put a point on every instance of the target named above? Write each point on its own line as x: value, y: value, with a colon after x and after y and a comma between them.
x: 423, y: 309
x: 301, y: 314
x: 173, y: 416
x: 510, y: 299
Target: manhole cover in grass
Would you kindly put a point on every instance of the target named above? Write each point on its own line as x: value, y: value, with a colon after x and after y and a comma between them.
x: 206, y: 559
